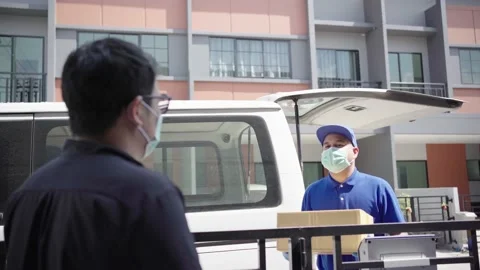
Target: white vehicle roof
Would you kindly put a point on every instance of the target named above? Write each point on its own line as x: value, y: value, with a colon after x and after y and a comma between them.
x: 175, y: 105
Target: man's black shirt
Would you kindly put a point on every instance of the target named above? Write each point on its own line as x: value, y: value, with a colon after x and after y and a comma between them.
x: 95, y: 207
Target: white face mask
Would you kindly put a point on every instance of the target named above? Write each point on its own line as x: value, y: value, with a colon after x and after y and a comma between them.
x: 152, y: 143
x: 335, y: 159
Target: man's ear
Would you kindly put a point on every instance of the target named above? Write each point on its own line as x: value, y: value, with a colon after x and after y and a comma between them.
x: 355, y: 151
x: 134, y: 111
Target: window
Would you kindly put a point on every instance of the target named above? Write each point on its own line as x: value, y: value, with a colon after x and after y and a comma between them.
x: 194, y: 167
x: 249, y: 58
x: 21, y: 67
x: 412, y: 174
x: 470, y: 66
x: 207, y: 158
x: 473, y: 170
x: 406, y: 67
x: 15, y: 147
x: 222, y: 57
x: 339, y: 65
x: 312, y: 171
x: 155, y: 45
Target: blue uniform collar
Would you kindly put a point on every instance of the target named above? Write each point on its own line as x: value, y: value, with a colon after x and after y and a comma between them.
x: 352, y: 180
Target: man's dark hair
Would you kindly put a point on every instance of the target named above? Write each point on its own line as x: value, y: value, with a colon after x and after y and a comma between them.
x: 100, y: 79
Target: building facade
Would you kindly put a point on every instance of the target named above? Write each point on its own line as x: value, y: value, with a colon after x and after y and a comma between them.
x: 227, y: 49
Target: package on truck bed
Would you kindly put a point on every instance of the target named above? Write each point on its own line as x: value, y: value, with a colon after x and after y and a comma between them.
x: 324, y: 244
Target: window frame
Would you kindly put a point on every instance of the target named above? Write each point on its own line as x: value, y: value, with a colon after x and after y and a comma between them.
x: 13, y: 64
x: 139, y: 39
x: 273, y: 196
x: 235, y: 60
x: 469, y: 50
x: 356, y: 52
x: 400, y: 65
x: 424, y: 162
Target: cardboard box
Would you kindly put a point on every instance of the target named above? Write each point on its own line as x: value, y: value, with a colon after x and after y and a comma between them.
x: 324, y: 244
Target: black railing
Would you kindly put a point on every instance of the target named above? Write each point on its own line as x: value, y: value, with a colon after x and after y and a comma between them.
x: 428, y: 208
x: 433, y: 89
x: 22, y: 87
x: 301, y: 245
x: 330, y: 83
x: 471, y: 203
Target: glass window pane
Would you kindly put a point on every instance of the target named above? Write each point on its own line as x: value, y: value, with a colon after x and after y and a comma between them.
x: 132, y: 39
x: 161, y: 55
x: 256, y: 46
x: 326, y: 63
x: 256, y: 59
x: 464, y: 55
x: 417, y: 68
x: 393, y: 67
x: 5, y: 55
x: 475, y: 55
x: 412, y: 174
x: 467, y: 78
x: 227, y: 58
x: 163, y: 68
x: 473, y: 170
x: 465, y: 66
x: 97, y: 36
x: 147, y: 41
x: 119, y: 36
x: 406, y: 67
x: 475, y: 66
x: 476, y: 78
x: 282, y: 47
x: 28, y: 54
x: 345, y: 69
x: 161, y: 42
x: 151, y: 52
x: 215, y: 44
x: 84, y: 38
x: 312, y: 171
x: 227, y: 45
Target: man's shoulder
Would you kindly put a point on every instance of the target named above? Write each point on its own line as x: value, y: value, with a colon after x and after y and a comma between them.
x: 107, y: 174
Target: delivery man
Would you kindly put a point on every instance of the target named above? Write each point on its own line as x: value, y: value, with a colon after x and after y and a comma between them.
x: 96, y: 206
x: 347, y: 188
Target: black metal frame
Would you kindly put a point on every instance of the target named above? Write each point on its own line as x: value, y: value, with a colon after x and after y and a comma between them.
x: 301, y: 245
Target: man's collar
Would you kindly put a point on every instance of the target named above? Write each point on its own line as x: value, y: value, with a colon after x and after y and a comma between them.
x: 93, y: 147
x: 352, y: 180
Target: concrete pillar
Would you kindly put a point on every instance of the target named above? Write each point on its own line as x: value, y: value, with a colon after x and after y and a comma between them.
x: 377, y: 156
x: 377, y: 45
x: 437, y: 44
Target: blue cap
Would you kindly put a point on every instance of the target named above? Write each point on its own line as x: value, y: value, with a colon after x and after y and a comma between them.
x: 347, y: 132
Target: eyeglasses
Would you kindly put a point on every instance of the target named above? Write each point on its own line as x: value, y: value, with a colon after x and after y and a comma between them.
x: 163, y: 103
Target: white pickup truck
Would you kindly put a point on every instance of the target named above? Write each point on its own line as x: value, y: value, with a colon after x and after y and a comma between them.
x: 235, y: 161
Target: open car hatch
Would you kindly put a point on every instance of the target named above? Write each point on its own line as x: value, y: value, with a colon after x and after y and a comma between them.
x: 358, y: 108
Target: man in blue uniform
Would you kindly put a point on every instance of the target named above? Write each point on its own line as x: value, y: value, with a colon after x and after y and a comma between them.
x: 347, y: 188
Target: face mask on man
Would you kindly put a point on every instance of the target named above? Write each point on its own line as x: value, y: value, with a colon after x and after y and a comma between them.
x: 152, y: 143
x: 335, y: 159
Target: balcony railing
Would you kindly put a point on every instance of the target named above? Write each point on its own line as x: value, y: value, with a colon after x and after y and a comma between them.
x: 22, y: 87
x: 434, y: 89
x: 328, y: 83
